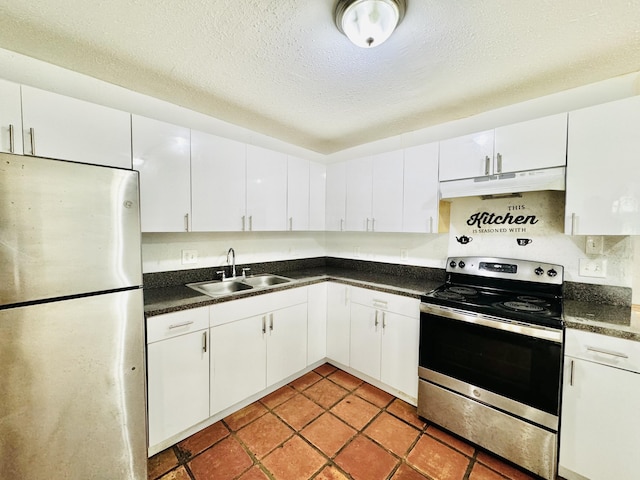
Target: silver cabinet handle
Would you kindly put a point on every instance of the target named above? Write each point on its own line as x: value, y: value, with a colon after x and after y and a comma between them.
x: 11, y: 140
x: 204, y: 341
x: 342, y: 224
x: 573, y: 223
x: 373, y: 224
x: 251, y: 223
x: 271, y: 321
x: 487, y: 165
x: 376, y: 320
x: 178, y: 325
x: 32, y: 135
x: 499, y: 161
x: 430, y: 224
x: 384, y: 320
x: 243, y: 223
x: 186, y: 222
x: 571, y: 373
x: 607, y: 352
x: 264, y: 324
x: 367, y: 227
x: 379, y: 303
x: 290, y: 224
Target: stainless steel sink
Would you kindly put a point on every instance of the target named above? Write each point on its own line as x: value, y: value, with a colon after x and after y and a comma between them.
x: 217, y: 288
x: 265, y: 280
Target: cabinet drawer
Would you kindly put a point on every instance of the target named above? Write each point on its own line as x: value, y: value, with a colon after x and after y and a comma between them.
x: 616, y: 352
x: 248, y: 307
x: 406, y: 306
x: 161, y: 327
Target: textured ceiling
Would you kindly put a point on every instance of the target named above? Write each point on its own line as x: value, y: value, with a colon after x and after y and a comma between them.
x: 280, y: 67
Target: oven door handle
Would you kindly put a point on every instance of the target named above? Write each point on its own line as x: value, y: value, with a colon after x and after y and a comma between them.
x: 507, y: 325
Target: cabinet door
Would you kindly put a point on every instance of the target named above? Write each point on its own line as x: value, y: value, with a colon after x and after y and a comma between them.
x: 317, y: 196
x: 161, y: 154
x: 286, y: 342
x: 420, y: 201
x: 238, y: 361
x: 218, y: 183
x: 10, y: 118
x: 65, y: 128
x: 366, y: 328
x: 336, y: 209
x: 603, y: 192
x: 467, y: 156
x: 317, y: 322
x: 539, y: 143
x: 600, y: 430
x: 266, y: 189
x: 359, y: 174
x: 400, y: 338
x: 388, y: 177
x: 178, y: 384
x: 338, y: 329
x: 297, y: 194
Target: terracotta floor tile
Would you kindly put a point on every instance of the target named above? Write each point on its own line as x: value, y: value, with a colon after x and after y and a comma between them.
x: 364, y: 460
x: 298, y: 411
x: 306, y: 381
x: 224, y: 461
x: 264, y: 434
x: 345, y: 380
x: 328, y: 433
x: 331, y: 473
x: 392, y: 433
x: 279, y: 396
x: 500, y: 466
x: 202, y: 440
x: 480, y: 472
x: 179, y: 473
x: 437, y: 460
x: 242, y: 417
x: 325, y: 393
x: 407, y: 412
x: 324, y: 370
x: 405, y: 472
x: 254, y: 474
x: 355, y: 411
x: 449, y: 439
x: 161, y: 463
x: 295, y: 460
x: 374, y: 395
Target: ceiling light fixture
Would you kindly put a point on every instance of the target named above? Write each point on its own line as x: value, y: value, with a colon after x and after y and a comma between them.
x: 368, y: 23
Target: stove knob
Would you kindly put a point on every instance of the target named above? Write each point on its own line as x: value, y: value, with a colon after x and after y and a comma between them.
x: 539, y: 271
x: 552, y: 273
x: 452, y: 264
x: 461, y: 264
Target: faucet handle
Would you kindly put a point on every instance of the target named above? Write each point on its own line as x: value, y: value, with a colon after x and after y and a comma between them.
x: 224, y: 276
x: 244, y: 272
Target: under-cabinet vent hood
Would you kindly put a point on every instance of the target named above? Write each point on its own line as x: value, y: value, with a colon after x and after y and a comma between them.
x: 505, y: 183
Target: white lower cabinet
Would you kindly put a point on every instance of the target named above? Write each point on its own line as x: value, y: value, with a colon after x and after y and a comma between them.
x: 317, y: 322
x: 600, y: 425
x: 338, y: 318
x: 178, y: 372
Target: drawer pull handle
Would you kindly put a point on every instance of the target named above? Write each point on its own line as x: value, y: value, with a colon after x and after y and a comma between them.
x: 178, y: 325
x: 11, y: 139
x: 264, y: 324
x: 607, y: 352
x: 571, y: 373
x: 204, y: 341
x: 376, y: 320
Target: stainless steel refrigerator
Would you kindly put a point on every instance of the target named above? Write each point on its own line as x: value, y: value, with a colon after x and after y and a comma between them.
x: 72, y: 372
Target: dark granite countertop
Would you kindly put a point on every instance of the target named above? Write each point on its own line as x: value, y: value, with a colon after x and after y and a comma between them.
x: 612, y: 320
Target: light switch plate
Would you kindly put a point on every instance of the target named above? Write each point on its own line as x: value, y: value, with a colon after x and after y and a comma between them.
x: 593, y: 268
x: 189, y: 257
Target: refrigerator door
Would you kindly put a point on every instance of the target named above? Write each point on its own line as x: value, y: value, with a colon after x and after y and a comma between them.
x: 66, y: 229
x: 73, y: 389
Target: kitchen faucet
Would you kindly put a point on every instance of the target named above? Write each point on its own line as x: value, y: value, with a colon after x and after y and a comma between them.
x: 233, y: 261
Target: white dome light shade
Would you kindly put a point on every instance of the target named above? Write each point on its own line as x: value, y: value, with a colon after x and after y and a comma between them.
x: 368, y: 23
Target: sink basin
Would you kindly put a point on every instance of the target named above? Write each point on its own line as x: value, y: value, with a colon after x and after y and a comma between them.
x: 216, y: 287
x: 265, y: 280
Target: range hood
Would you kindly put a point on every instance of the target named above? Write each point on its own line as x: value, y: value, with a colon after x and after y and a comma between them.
x: 505, y: 183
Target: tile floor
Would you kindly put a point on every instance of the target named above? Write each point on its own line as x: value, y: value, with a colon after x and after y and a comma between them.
x: 327, y: 425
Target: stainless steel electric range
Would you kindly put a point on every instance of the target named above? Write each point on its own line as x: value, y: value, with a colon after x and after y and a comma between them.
x: 491, y: 349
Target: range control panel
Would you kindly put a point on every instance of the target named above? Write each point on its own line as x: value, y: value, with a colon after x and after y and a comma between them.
x: 493, y: 267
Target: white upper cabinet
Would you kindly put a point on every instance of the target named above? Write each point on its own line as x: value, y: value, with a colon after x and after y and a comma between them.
x: 65, y: 128
x: 359, y: 181
x: 218, y: 183
x: 388, y: 179
x: 530, y: 145
x: 420, y: 203
x: 266, y: 189
x: 10, y: 118
x: 161, y: 153
x: 336, y: 197
x: 317, y: 196
x: 603, y: 191
x: 297, y: 193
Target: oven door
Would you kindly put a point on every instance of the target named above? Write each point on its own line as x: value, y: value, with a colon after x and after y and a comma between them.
x: 511, y: 366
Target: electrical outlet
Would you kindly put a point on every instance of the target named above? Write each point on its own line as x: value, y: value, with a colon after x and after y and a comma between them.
x: 404, y: 254
x: 593, y: 268
x: 189, y: 257
x: 594, y: 245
